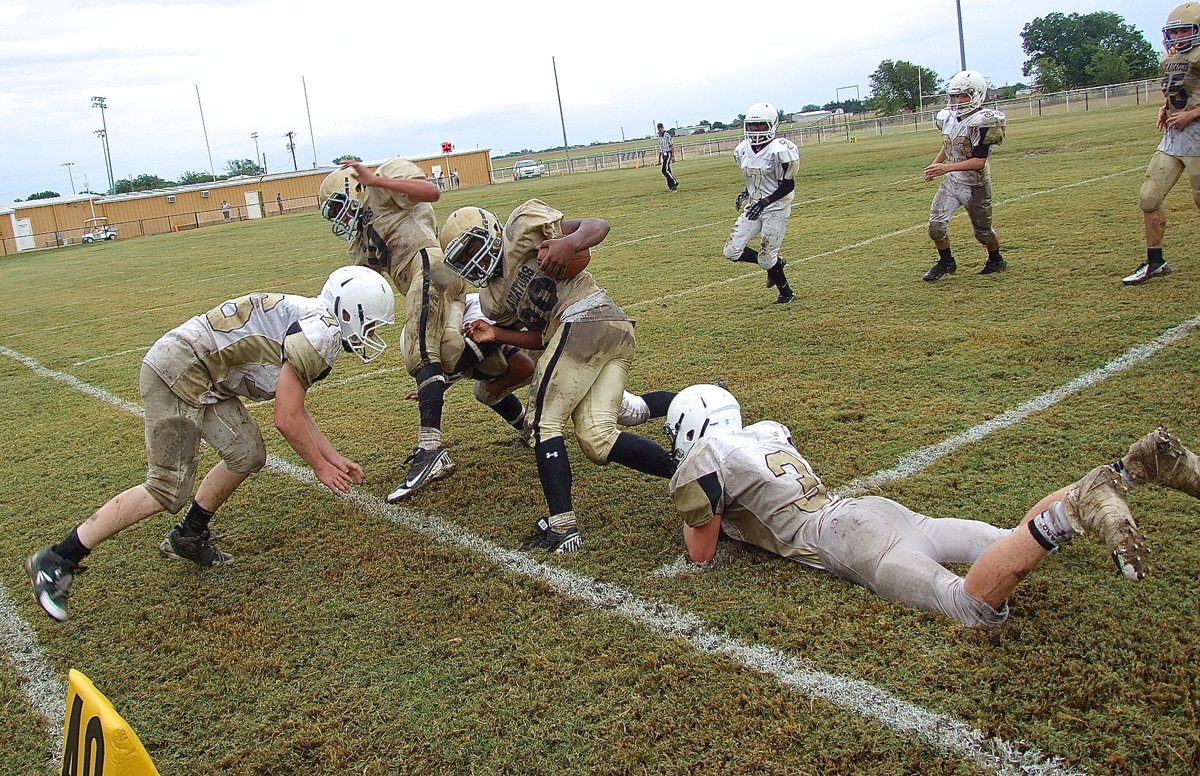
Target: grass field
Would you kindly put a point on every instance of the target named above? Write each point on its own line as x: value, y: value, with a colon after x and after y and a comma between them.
x: 355, y: 638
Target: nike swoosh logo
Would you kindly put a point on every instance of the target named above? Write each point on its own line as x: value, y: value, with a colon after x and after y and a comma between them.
x: 44, y: 577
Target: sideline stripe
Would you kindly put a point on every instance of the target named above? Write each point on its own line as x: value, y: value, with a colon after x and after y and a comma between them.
x: 110, y: 355
x: 940, y: 730
x: 921, y: 459
x: 43, y: 687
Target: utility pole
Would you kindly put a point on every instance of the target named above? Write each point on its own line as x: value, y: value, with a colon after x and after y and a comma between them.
x: 70, y: 174
x: 563, y: 121
x: 291, y: 146
x: 102, y: 104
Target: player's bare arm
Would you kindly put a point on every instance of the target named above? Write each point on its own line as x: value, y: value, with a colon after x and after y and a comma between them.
x: 1182, y: 118
x: 329, y: 453
x: 416, y: 190
x: 292, y: 420
x: 482, y: 332
x: 578, y: 234
x: 941, y: 168
x: 702, y: 542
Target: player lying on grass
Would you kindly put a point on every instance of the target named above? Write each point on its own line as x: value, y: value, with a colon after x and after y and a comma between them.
x: 755, y: 486
x: 258, y: 346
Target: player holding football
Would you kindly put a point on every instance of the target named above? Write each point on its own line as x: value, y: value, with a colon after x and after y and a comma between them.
x: 387, y: 217
x: 968, y: 134
x: 754, y: 485
x: 1180, y: 146
x: 768, y: 164
x: 259, y: 346
x: 587, y: 344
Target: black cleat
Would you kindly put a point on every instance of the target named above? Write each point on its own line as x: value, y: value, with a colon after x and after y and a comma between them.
x: 51, y: 575
x: 546, y: 539
x: 200, y: 548
x: 940, y: 270
x: 999, y: 265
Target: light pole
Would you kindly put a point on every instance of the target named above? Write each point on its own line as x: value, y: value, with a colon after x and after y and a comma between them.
x: 100, y: 133
x: 962, y: 49
x: 102, y: 104
x: 70, y: 174
x: 257, y: 155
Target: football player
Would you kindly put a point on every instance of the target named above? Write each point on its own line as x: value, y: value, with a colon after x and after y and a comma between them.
x: 968, y: 133
x: 587, y: 343
x: 754, y: 485
x: 768, y: 164
x: 387, y: 217
x: 257, y: 346
x: 1180, y: 146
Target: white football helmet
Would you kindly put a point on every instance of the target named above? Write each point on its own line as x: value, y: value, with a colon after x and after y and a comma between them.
x: 761, y: 113
x: 472, y: 240
x: 361, y: 301
x: 970, y: 83
x: 1187, y: 18
x: 697, y: 412
x: 341, y: 199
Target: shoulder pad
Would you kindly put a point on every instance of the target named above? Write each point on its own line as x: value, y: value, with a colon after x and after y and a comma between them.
x: 988, y: 118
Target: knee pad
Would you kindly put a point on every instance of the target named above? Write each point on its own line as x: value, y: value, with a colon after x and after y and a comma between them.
x: 1151, y: 196
x: 938, y: 231
x: 249, y: 461
x: 597, y: 444
x: 985, y: 236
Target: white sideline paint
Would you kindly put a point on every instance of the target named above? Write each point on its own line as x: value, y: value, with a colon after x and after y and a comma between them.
x: 110, y: 355
x: 939, y: 730
x: 869, y: 240
x: 919, y: 460
x: 43, y: 688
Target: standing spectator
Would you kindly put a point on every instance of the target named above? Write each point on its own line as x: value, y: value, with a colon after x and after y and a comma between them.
x: 1180, y: 146
x: 454, y: 178
x: 666, y: 154
x: 968, y: 133
x: 279, y: 202
x: 768, y: 165
x: 225, y: 210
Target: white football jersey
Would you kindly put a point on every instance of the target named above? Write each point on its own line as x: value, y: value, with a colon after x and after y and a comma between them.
x: 969, y: 138
x: 765, y: 491
x: 238, y: 348
x: 764, y: 170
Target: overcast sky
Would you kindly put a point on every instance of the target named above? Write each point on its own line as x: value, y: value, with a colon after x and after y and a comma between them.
x: 395, y: 78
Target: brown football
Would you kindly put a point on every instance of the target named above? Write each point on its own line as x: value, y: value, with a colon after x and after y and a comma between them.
x: 578, y: 264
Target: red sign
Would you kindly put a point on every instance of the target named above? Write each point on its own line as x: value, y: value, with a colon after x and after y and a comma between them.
x: 447, y: 147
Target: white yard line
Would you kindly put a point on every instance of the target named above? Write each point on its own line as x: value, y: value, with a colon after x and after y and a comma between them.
x: 939, y: 730
x: 861, y: 243
x: 110, y: 355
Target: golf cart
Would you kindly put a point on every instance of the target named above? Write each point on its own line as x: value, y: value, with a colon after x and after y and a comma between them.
x: 96, y: 229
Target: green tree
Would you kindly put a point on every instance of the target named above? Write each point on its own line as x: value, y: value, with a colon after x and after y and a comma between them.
x: 43, y: 195
x: 1064, y: 47
x: 849, y: 106
x: 243, y: 167
x: 347, y: 158
x: 191, y: 177
x: 142, y: 182
x: 897, y: 86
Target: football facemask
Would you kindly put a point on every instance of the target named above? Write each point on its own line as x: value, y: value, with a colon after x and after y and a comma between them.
x: 698, y: 412
x: 361, y: 301
x: 472, y: 241
x: 1182, y: 30
x: 340, y: 203
x: 760, y: 123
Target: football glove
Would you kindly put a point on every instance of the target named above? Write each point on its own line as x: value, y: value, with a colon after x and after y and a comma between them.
x: 755, y: 210
x: 741, y: 200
